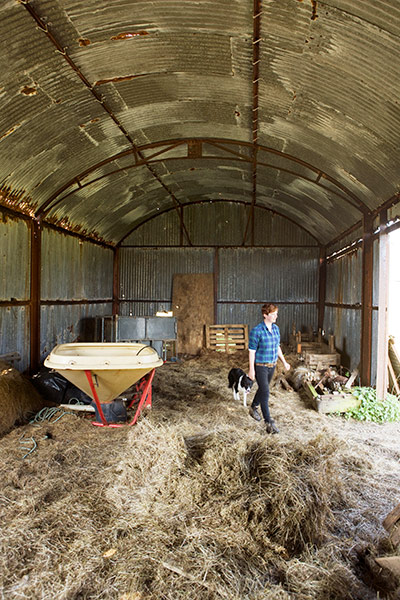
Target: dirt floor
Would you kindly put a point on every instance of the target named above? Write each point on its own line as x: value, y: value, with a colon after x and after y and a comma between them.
x: 196, y: 501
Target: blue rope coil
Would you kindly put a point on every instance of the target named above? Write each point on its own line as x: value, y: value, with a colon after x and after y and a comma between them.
x: 47, y: 413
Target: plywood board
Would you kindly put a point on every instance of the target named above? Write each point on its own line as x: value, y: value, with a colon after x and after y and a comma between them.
x: 193, y: 307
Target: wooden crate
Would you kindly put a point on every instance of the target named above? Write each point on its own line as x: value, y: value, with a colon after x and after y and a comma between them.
x: 317, y: 360
x: 227, y: 338
x: 330, y: 403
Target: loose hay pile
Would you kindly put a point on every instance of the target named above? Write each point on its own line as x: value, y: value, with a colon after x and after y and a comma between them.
x: 195, y: 502
x: 18, y: 398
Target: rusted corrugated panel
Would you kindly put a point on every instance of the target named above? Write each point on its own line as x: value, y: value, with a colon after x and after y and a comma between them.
x: 172, y: 71
x: 14, y: 259
x: 14, y: 333
x: 216, y: 223
x: 333, y: 117
x: 73, y: 269
x: 347, y: 241
x: 146, y: 274
x: 272, y: 229
x: 273, y: 274
x: 344, y: 279
x: 302, y: 316
x: 112, y: 205
x: 62, y: 324
x: 345, y: 325
x: 46, y: 104
x: 219, y: 223
x: 163, y: 231
x: 84, y: 81
x: 208, y: 179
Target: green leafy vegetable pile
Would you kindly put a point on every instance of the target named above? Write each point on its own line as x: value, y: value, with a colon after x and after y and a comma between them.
x: 371, y: 409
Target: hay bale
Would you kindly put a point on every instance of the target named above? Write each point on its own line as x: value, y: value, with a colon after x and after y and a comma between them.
x: 18, y: 398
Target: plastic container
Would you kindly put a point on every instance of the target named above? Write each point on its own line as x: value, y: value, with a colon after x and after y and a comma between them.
x: 114, y: 366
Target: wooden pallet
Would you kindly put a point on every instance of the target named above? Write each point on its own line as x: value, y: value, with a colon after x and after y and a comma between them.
x: 227, y: 338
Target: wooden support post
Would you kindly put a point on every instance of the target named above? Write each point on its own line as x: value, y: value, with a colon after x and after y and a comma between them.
x: 366, y: 309
x: 36, y: 244
x: 382, y: 351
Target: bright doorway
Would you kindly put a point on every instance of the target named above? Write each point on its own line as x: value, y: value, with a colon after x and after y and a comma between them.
x: 394, y: 287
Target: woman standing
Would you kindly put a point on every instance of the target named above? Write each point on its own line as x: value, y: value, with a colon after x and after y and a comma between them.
x: 264, y: 351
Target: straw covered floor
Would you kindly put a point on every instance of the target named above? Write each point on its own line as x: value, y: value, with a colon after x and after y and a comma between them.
x: 196, y: 501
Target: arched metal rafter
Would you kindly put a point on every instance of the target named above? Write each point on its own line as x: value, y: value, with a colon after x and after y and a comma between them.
x: 227, y: 146
x: 246, y: 204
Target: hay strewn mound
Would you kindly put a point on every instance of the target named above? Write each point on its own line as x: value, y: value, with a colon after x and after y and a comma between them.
x: 18, y: 398
x: 196, y: 502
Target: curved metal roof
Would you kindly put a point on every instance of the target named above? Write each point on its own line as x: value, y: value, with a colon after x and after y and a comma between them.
x: 115, y: 111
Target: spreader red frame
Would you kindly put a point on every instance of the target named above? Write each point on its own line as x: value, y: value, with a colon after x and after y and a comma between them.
x: 142, y: 391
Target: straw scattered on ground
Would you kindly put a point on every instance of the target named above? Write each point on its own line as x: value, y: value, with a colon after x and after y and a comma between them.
x: 196, y: 501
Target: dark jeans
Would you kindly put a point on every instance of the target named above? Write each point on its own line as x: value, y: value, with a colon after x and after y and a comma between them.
x: 263, y: 378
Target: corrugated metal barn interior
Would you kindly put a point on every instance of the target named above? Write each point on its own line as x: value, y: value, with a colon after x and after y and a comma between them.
x: 258, y: 141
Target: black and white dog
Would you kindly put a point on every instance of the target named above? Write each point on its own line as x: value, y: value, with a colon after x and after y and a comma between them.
x: 239, y: 382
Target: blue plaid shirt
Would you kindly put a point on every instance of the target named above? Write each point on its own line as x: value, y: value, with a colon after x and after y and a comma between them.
x: 265, y: 344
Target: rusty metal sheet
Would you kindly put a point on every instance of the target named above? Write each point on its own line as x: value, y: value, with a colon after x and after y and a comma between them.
x: 14, y: 259
x: 63, y: 324
x: 302, y: 315
x: 83, y: 82
x: 14, y: 333
x: 146, y: 274
x: 344, y: 279
x: 73, y: 269
x: 275, y: 274
x: 345, y: 325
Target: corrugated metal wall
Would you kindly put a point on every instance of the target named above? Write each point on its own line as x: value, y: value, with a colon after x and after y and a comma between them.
x: 61, y: 324
x: 344, y: 279
x: 74, y: 273
x: 219, y: 224
x: 146, y: 275
x: 77, y: 282
x: 73, y: 269
x: 15, y: 286
x: 343, y: 311
x: 247, y: 277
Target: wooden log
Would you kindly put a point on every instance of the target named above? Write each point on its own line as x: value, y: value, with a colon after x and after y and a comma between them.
x: 285, y: 384
x: 392, y: 518
x: 392, y: 378
x: 352, y: 378
x: 395, y: 536
x: 390, y: 562
x: 394, y: 356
